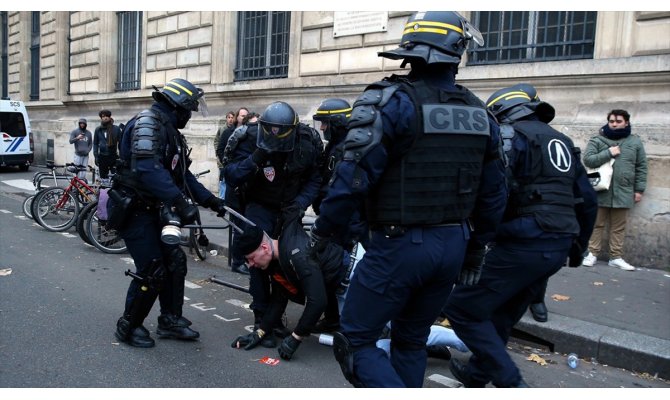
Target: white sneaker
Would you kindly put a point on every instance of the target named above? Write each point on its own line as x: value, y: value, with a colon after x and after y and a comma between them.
x: 589, y: 260
x: 620, y: 263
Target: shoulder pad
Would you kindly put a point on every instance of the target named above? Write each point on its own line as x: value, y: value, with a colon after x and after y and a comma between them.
x: 362, y: 139
x: 238, y: 135
x: 146, y: 137
x: 507, y: 134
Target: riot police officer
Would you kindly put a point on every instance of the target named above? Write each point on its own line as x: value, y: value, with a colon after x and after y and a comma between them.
x: 333, y: 115
x: 155, y: 185
x: 549, y: 217
x: 273, y: 165
x: 424, y: 156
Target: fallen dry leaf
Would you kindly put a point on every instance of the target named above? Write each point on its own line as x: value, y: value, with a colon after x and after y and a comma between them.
x: 560, y: 297
x: 598, y: 283
x: 534, y: 357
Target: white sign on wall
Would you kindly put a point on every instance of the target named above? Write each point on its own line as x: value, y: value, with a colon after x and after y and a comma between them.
x: 358, y: 22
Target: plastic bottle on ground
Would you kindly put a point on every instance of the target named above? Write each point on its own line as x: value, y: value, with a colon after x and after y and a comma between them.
x: 573, y: 360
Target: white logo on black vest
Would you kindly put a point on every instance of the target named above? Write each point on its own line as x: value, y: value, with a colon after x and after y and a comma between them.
x: 560, y: 155
x: 269, y: 173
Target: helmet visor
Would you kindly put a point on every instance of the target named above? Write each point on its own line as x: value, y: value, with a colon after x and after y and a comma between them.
x: 275, y: 137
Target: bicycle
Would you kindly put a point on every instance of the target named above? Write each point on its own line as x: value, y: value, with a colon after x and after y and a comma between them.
x: 56, y: 209
x: 38, y: 181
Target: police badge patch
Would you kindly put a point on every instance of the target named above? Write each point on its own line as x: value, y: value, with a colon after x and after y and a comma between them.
x: 269, y: 173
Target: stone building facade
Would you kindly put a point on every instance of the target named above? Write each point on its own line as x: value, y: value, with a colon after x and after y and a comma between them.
x: 79, y: 58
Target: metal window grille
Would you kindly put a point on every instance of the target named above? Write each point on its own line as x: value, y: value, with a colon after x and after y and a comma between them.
x: 263, y: 40
x: 35, y: 56
x: 530, y: 36
x: 129, y: 51
x: 4, y: 60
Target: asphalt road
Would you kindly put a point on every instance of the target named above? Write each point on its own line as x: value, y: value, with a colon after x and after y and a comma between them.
x: 60, y: 299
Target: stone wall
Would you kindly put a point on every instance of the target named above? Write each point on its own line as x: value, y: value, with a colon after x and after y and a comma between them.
x: 630, y: 70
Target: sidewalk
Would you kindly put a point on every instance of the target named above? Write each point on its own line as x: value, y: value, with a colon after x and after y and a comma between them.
x: 619, y: 318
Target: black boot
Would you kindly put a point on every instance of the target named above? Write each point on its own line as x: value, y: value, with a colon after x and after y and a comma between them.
x: 269, y: 341
x: 438, y: 351
x: 138, y: 337
x: 170, y: 326
x: 460, y: 371
x: 539, y: 311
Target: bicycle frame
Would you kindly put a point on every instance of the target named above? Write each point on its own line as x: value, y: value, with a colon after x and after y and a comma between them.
x: 79, y: 185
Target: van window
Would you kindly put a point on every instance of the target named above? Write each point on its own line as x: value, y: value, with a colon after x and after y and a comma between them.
x: 13, y: 124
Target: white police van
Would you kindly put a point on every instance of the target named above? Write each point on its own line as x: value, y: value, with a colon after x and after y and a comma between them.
x: 17, y: 145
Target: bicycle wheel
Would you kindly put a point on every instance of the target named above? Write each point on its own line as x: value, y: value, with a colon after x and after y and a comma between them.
x: 198, y: 242
x: 26, y: 206
x: 56, y: 210
x: 82, y: 227
x: 106, y: 240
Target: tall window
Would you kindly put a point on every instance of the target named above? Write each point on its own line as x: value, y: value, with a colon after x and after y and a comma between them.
x: 262, y: 40
x: 35, y: 56
x: 529, y: 36
x: 130, y: 50
x: 4, y: 37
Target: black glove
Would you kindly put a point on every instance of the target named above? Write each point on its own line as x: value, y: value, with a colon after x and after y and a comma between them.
x: 186, y: 211
x: 217, y: 205
x: 248, y: 341
x: 576, y: 255
x: 317, y: 243
x: 288, y: 346
x: 292, y: 211
x: 260, y: 156
x: 471, y: 270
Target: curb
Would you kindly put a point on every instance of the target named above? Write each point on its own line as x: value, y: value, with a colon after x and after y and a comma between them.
x: 615, y: 347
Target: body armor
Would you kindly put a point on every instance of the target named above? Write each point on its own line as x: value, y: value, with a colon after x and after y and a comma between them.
x: 436, y: 180
x: 547, y: 192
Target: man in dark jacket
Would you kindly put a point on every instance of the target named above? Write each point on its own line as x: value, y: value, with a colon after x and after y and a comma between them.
x: 106, y: 143
x: 295, y: 276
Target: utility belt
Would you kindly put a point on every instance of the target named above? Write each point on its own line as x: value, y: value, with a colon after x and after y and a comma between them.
x: 393, y: 231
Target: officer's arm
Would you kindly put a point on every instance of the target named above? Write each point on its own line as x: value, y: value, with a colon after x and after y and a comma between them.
x: 353, y: 176
x: 199, y: 191
x: 241, y: 168
x: 310, y: 189
x: 146, y: 148
x: 492, y: 195
x: 586, y: 207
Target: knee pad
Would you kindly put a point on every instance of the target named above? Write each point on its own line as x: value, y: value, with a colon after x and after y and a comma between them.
x: 177, y: 261
x: 344, y: 354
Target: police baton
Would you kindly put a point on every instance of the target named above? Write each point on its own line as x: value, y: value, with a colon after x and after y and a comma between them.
x: 228, y: 284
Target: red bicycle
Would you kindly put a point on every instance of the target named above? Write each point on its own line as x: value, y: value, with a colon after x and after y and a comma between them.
x: 56, y: 209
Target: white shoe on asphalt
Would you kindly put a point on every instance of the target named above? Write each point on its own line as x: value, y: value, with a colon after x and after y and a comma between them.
x: 620, y: 263
x: 589, y: 260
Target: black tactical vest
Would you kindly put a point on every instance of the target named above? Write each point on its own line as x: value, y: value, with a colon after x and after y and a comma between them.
x: 547, y: 192
x: 279, y: 181
x: 436, y: 181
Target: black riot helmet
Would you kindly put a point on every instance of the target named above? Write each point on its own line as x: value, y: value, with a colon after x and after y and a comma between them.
x: 516, y: 102
x: 435, y: 37
x: 180, y: 93
x: 335, y: 113
x: 278, y: 123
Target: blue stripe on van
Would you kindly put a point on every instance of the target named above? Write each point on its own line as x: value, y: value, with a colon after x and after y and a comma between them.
x: 18, y: 142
